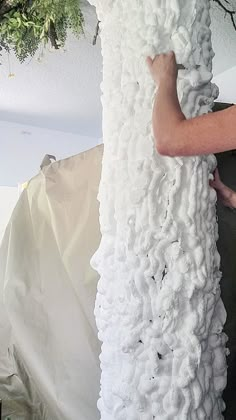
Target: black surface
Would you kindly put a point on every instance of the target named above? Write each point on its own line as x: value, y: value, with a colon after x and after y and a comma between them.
x: 220, y: 106
x: 227, y: 249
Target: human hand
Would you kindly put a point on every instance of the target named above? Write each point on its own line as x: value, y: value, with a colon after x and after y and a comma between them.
x: 216, y: 183
x: 163, y: 68
x: 225, y: 194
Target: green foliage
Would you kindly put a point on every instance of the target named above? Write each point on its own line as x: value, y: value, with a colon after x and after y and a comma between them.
x: 29, y: 23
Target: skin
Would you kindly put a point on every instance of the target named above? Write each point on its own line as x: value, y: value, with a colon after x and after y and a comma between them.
x: 177, y: 136
x: 225, y: 194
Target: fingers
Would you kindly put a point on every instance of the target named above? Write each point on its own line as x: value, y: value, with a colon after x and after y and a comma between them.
x: 173, y: 56
x: 149, y: 62
x: 216, y: 173
x: 217, y: 178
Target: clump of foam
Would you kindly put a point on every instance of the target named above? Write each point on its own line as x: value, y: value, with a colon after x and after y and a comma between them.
x: 158, y: 308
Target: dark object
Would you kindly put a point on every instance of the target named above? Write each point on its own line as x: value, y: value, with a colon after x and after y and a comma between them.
x: 47, y: 160
x: 0, y: 409
x: 96, y: 33
x: 227, y: 247
x: 182, y: 67
x: 220, y: 106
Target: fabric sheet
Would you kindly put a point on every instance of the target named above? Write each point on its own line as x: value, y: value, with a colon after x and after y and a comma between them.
x: 49, y: 353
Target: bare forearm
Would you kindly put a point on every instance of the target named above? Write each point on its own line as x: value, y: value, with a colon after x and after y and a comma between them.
x: 176, y: 136
x: 167, y: 115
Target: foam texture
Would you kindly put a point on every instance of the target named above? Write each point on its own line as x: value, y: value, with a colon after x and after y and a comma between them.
x: 158, y: 308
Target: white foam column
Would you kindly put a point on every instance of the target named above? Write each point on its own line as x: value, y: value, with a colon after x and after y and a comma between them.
x: 158, y: 308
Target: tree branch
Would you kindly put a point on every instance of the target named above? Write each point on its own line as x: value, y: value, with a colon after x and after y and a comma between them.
x: 231, y: 13
x: 53, y: 36
x: 96, y: 33
x: 6, y: 6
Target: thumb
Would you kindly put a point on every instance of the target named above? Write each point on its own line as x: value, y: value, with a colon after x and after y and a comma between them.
x: 149, y: 62
x: 212, y: 183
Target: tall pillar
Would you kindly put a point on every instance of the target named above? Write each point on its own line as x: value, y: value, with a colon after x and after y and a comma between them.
x: 158, y: 307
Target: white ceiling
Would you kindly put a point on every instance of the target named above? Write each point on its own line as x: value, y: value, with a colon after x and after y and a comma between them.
x: 62, y: 91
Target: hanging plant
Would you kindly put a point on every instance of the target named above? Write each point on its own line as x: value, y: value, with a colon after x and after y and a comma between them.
x: 25, y: 24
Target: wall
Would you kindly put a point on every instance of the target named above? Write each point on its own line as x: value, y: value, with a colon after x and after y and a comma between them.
x: 23, y: 148
x: 224, y: 44
x: 8, y: 199
x: 223, y: 37
x: 227, y: 86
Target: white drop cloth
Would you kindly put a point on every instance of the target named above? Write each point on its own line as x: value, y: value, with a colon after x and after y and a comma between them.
x: 49, y: 353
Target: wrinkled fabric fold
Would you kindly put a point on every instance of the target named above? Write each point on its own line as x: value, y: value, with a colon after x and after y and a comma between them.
x: 48, y: 288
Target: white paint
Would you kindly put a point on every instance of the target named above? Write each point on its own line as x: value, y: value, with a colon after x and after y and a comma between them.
x: 23, y: 147
x: 8, y: 199
x: 158, y: 307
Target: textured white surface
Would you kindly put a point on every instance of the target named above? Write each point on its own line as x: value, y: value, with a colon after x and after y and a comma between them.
x: 158, y: 307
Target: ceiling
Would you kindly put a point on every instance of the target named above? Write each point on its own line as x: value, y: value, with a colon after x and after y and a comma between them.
x: 62, y: 91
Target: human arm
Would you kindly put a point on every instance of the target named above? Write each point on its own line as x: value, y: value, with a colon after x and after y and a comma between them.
x: 176, y: 136
x: 225, y: 194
